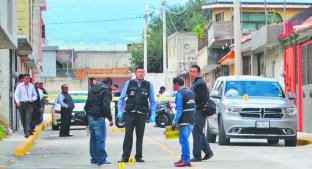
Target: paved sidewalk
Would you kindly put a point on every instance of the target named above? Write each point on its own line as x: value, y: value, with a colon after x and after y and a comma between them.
x: 305, y: 135
x: 7, y: 148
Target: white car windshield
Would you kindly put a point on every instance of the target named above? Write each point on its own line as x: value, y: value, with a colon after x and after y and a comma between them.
x: 79, y: 97
x: 253, y: 88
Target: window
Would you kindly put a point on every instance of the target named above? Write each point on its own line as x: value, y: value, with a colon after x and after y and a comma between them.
x: 252, y: 21
x: 220, y: 17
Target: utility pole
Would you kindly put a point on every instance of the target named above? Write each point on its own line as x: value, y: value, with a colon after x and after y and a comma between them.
x: 145, y: 38
x: 164, y: 41
x: 237, y: 36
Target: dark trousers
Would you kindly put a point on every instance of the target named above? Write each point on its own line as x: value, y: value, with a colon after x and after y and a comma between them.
x: 200, y: 142
x: 65, y: 122
x: 36, y: 116
x: 26, y: 111
x: 133, y: 121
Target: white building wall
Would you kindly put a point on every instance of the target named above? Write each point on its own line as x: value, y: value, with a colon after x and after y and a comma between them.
x: 48, y: 64
x: 102, y: 60
x: 5, y: 83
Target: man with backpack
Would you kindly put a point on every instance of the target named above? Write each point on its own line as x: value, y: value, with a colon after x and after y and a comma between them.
x: 201, y: 92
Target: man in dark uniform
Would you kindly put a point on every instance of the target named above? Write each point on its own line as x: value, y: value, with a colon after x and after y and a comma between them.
x: 201, y: 92
x: 185, y: 118
x: 140, y: 97
x: 67, y: 106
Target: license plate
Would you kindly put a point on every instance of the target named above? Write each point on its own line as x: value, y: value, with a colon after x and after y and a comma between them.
x: 263, y: 124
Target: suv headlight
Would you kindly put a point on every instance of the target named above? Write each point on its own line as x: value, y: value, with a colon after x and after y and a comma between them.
x: 232, y: 110
x: 290, y: 111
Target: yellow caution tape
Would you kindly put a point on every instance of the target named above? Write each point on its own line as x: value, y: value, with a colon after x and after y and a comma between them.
x: 54, y: 96
x: 121, y: 165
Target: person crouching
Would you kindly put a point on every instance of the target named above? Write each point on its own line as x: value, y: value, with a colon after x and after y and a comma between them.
x: 185, y: 118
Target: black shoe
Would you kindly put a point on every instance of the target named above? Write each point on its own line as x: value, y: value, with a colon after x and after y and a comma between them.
x: 196, y: 160
x: 139, y: 160
x: 207, y: 156
x: 124, y: 160
x: 63, y: 135
x: 69, y: 135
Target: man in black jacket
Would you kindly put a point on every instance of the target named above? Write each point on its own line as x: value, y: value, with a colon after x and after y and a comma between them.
x: 201, y: 92
x: 97, y: 109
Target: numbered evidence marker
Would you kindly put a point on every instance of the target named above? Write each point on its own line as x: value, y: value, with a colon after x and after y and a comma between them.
x: 113, y: 130
x: 132, y: 160
x: 245, y: 97
x: 121, y: 165
x: 122, y: 130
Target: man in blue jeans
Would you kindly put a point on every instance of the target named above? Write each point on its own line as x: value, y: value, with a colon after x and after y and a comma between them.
x: 185, y: 118
x: 97, y: 109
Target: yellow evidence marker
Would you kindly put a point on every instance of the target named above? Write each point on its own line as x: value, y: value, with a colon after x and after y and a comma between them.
x: 245, y: 97
x: 121, y: 165
x: 113, y: 130
x: 132, y: 160
x: 122, y: 130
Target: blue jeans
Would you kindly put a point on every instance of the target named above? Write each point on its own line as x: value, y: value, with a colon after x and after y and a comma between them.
x: 97, y: 140
x: 184, y: 134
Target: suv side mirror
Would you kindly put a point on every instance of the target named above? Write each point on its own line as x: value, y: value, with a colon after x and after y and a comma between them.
x: 292, y: 96
x: 215, y: 94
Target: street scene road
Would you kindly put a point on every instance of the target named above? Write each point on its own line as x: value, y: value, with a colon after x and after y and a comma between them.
x: 52, y: 152
x: 217, y: 84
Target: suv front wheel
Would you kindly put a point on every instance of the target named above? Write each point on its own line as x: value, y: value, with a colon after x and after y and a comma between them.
x: 291, y: 142
x: 223, y: 140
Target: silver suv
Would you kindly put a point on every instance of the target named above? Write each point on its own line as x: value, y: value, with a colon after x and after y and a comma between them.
x: 251, y: 107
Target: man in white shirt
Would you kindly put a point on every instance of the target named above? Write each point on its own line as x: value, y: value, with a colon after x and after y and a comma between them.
x: 25, y: 95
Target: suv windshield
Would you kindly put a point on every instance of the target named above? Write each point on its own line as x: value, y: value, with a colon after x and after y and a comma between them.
x: 79, y: 97
x: 253, y: 88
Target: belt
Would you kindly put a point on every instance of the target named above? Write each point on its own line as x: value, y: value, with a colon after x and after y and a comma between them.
x: 25, y: 102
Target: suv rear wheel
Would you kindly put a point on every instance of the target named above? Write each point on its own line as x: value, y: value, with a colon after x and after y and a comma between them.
x: 222, y: 136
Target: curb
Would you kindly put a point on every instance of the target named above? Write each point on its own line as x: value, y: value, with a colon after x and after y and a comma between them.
x: 304, y: 141
x: 26, y: 145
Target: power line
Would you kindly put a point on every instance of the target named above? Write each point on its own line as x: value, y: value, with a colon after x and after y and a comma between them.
x: 175, y: 28
x: 68, y: 4
x: 180, y: 12
x: 94, y: 21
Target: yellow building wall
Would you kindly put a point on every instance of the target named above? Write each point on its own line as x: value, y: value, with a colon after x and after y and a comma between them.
x: 24, y: 17
x: 228, y: 12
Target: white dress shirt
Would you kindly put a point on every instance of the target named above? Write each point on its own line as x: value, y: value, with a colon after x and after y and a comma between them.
x: 25, y: 93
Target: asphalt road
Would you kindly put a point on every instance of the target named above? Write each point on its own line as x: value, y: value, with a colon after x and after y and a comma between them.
x: 52, y: 152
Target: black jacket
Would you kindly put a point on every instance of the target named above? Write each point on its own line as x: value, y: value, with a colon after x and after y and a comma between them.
x: 201, y: 92
x: 98, y: 102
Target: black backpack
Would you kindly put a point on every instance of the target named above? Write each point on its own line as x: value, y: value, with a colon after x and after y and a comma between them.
x: 209, y: 108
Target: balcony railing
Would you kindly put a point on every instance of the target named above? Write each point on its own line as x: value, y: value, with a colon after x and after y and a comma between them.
x: 220, y: 34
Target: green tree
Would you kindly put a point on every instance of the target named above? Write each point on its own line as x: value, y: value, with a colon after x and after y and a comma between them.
x: 194, y: 18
